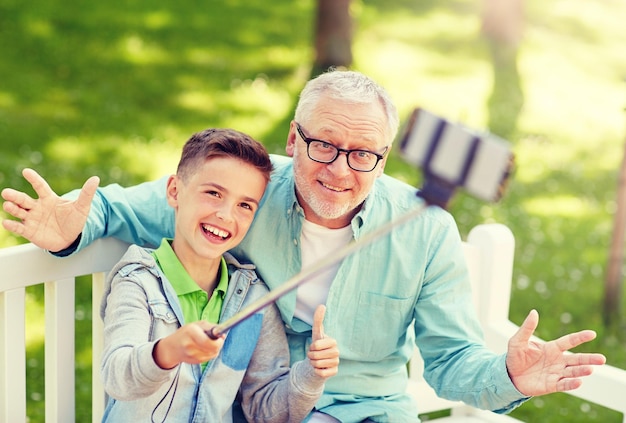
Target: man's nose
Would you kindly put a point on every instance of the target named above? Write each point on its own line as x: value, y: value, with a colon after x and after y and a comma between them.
x: 339, y: 166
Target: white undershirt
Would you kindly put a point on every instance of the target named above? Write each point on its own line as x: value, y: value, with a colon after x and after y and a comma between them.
x: 317, y: 417
x: 317, y: 242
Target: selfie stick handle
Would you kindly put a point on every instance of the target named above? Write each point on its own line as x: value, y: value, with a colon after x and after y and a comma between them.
x: 302, y: 277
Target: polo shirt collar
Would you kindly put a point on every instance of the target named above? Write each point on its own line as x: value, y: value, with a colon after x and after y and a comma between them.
x: 178, y: 276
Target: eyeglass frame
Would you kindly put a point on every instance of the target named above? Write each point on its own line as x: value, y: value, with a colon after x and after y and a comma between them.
x: 309, y: 140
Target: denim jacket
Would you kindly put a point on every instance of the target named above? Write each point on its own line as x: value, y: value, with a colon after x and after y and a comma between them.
x: 140, y: 306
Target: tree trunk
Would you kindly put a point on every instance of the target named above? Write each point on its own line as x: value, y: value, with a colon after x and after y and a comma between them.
x: 503, y: 21
x: 613, y: 281
x: 503, y: 27
x: 333, y: 35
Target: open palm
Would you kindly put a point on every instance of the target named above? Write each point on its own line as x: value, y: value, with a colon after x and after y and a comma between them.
x: 49, y: 221
x: 538, y: 368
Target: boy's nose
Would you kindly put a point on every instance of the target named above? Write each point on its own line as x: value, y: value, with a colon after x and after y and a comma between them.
x: 224, y: 214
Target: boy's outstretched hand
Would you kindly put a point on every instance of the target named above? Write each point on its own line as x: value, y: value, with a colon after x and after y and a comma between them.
x: 189, y: 344
x: 323, y: 352
x: 50, y: 222
x: 538, y: 368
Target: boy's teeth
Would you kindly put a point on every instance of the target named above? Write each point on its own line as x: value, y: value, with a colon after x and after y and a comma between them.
x: 216, y: 231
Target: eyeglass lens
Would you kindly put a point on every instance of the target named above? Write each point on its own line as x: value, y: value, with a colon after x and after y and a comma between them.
x: 357, y: 159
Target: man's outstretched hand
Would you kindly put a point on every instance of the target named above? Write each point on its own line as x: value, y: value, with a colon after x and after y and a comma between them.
x: 538, y: 368
x: 50, y: 222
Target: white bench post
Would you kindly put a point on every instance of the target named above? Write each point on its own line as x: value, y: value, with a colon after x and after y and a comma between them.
x: 496, y: 245
x: 97, y: 342
x: 12, y: 356
x: 60, y: 351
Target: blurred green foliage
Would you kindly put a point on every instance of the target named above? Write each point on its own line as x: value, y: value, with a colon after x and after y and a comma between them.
x: 115, y: 88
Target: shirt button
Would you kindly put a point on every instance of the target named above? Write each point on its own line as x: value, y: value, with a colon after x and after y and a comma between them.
x: 295, y: 241
x: 169, y: 315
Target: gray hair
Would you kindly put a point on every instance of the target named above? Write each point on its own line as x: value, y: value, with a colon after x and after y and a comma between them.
x: 349, y: 87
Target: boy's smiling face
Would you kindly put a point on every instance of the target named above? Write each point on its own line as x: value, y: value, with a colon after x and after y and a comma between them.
x: 214, y: 207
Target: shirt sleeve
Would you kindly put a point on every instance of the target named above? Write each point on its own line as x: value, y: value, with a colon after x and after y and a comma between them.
x: 270, y: 391
x: 128, y: 370
x: 137, y: 215
x: 457, y: 364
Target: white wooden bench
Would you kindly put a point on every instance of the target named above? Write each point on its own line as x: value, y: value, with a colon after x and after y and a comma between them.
x: 489, y: 251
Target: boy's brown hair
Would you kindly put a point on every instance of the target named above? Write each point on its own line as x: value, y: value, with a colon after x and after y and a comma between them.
x: 212, y: 143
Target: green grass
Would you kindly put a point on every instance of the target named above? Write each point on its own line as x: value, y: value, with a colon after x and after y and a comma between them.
x: 115, y: 88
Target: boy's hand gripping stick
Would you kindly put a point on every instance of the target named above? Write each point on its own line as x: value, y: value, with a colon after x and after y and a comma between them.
x: 450, y: 155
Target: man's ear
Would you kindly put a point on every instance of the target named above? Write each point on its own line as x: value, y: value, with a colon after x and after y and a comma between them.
x: 172, y: 191
x: 291, y: 139
x: 381, y: 168
x: 380, y: 171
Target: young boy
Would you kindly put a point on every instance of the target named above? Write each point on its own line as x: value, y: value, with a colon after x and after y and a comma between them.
x: 158, y: 363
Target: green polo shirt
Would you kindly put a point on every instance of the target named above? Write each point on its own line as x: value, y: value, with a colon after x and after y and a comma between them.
x: 194, y: 301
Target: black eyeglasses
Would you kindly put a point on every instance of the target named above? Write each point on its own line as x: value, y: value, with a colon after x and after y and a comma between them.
x: 324, y: 152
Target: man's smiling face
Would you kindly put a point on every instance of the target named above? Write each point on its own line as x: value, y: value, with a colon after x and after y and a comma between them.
x: 331, y: 194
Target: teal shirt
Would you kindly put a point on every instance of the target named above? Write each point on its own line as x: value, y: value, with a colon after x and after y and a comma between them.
x: 411, y: 287
x: 194, y: 301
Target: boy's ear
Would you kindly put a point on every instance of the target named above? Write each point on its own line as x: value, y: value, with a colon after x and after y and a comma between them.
x: 172, y: 190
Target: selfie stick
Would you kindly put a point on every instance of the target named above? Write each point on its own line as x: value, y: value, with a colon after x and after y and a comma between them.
x: 451, y: 157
